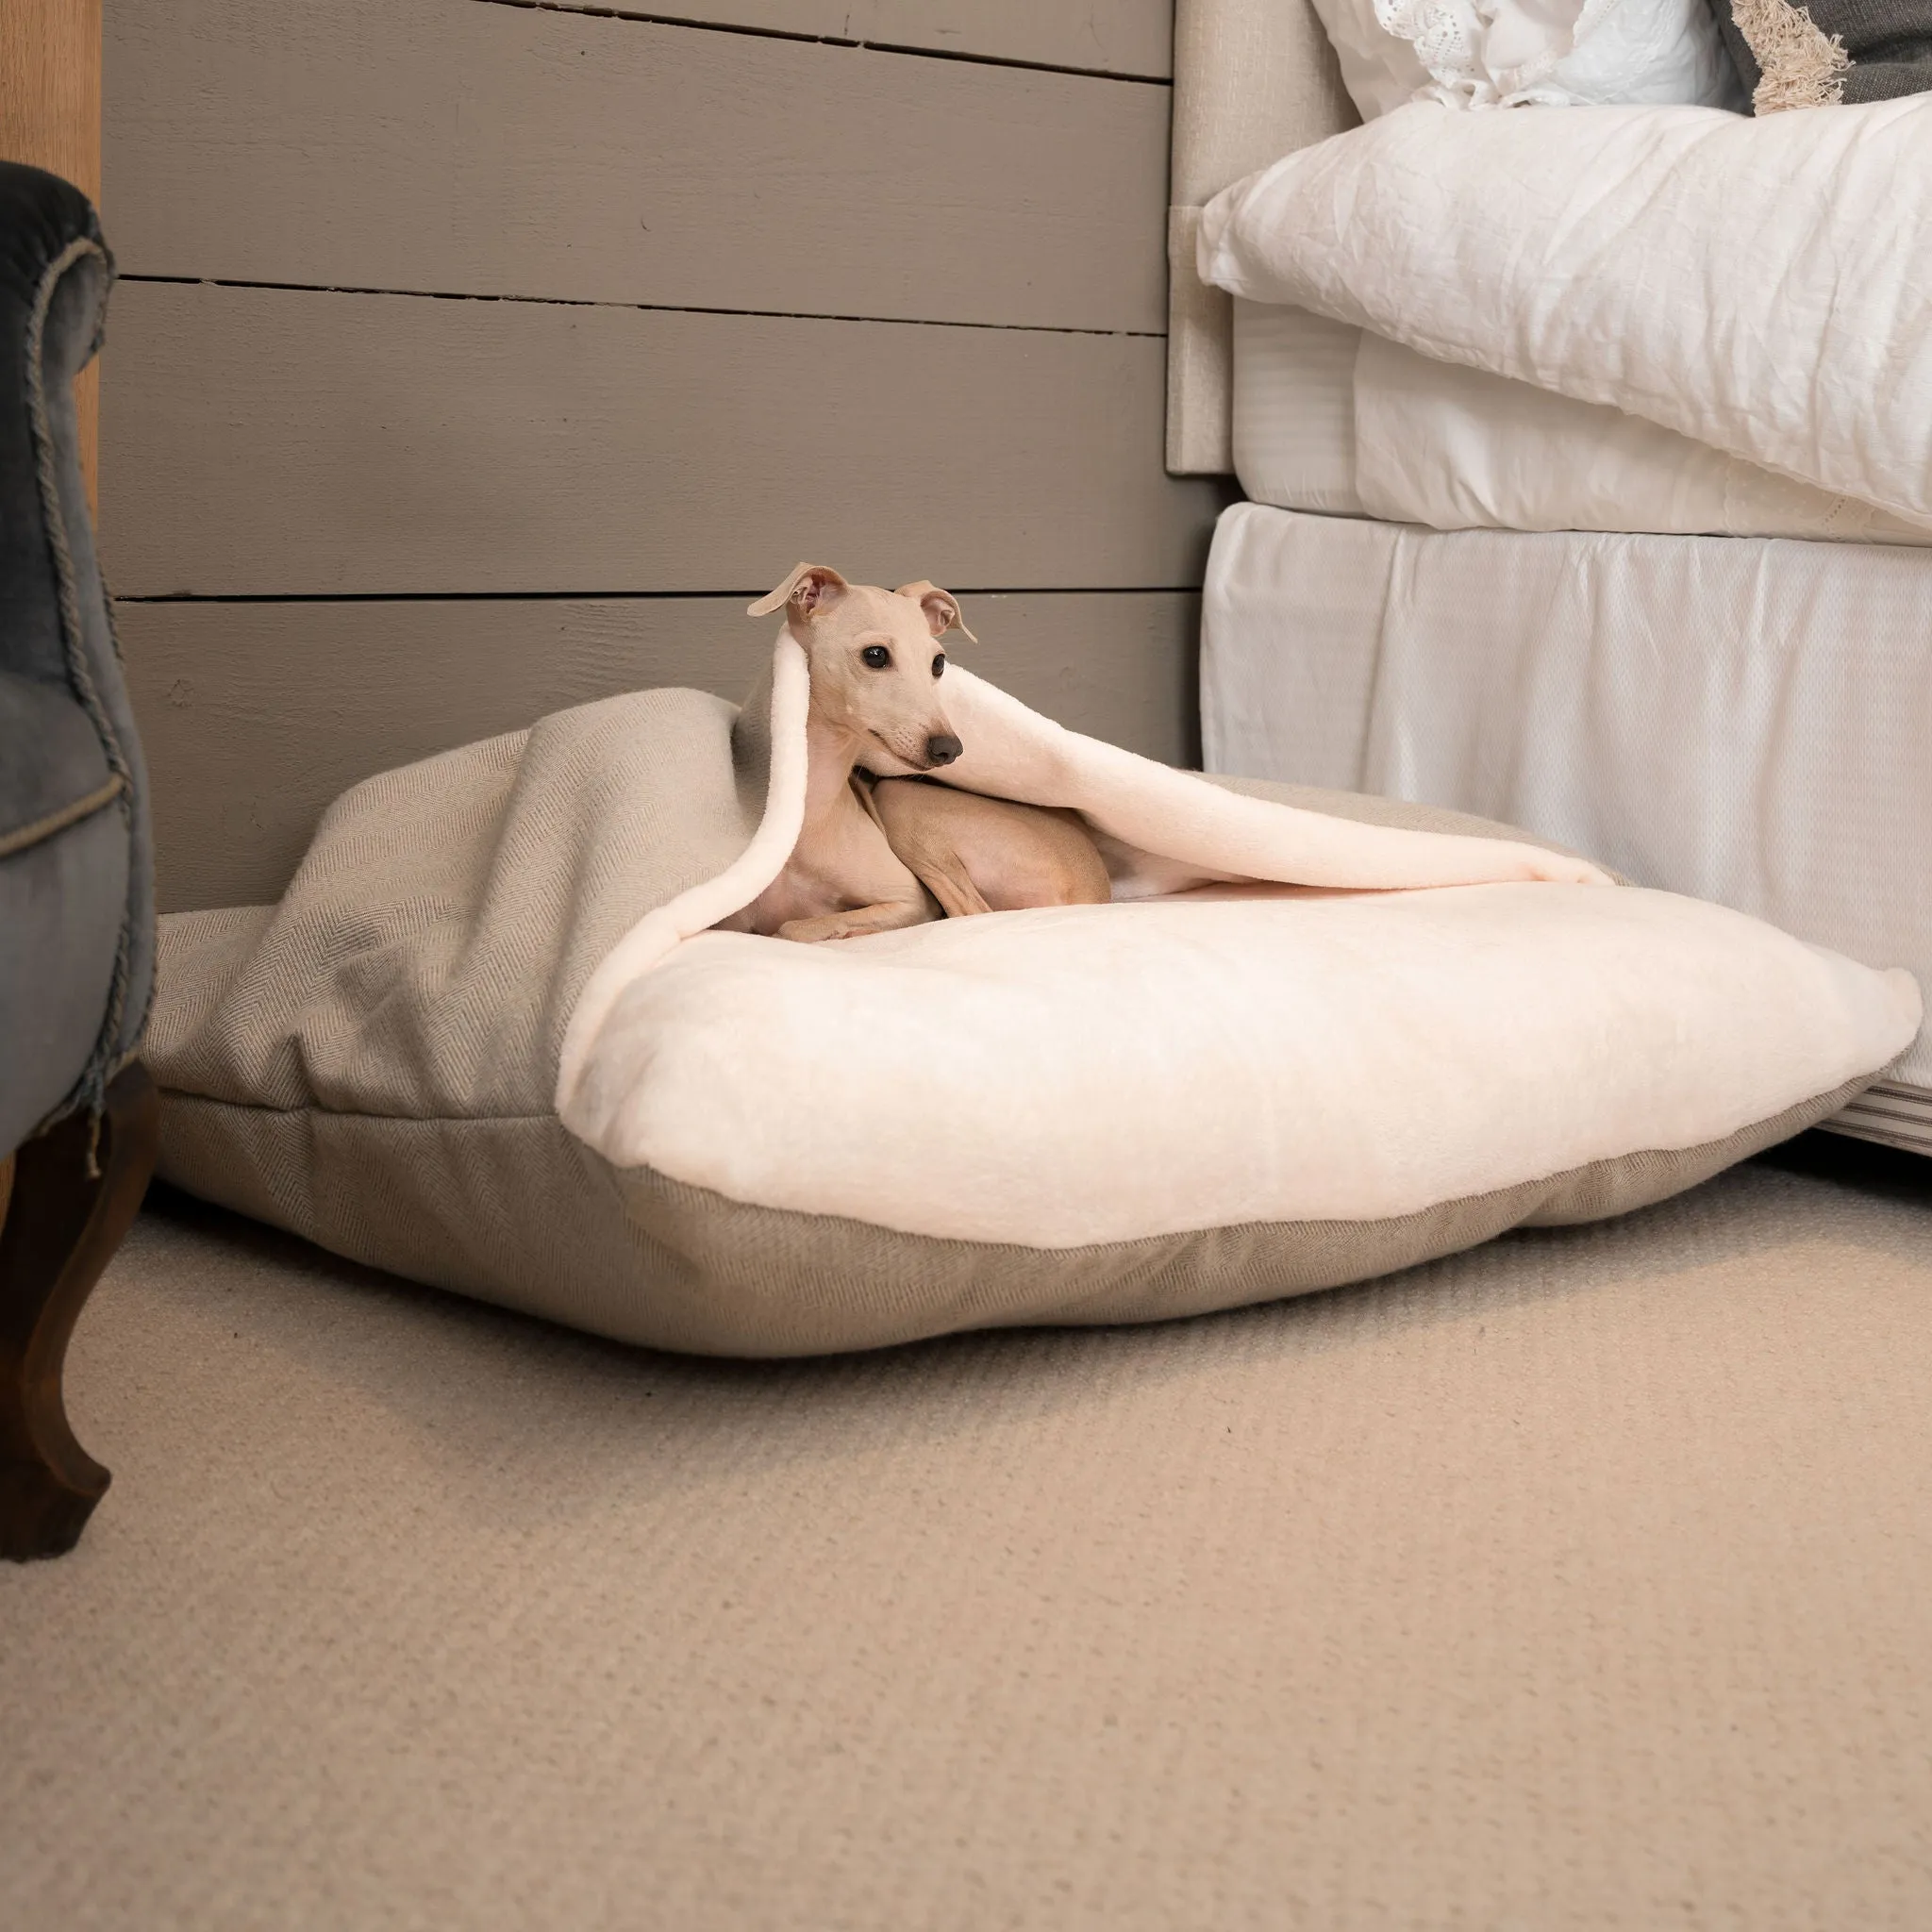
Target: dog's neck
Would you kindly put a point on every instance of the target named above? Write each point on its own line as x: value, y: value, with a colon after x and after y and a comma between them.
x: 831, y: 753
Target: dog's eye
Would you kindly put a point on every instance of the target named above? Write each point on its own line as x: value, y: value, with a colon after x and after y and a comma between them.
x: 939, y: 663
x: 876, y: 656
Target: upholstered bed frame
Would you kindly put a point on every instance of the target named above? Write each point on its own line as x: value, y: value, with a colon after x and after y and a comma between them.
x: 1253, y: 81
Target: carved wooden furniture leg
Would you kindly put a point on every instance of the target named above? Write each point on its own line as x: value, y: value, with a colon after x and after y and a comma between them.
x: 60, y: 1230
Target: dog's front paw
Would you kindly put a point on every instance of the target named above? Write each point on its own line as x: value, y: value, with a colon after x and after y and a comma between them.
x: 811, y: 932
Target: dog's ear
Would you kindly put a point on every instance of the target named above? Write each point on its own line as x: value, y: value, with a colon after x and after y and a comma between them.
x: 808, y: 588
x: 941, y: 607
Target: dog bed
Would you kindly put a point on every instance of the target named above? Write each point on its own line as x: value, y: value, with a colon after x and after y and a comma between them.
x: 488, y: 1041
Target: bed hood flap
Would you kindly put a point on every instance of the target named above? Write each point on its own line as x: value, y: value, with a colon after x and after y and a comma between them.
x: 1012, y: 751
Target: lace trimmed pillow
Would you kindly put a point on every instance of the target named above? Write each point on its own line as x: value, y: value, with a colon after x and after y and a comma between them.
x: 1516, y: 52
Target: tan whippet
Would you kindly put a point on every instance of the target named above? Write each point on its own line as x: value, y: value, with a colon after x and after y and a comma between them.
x: 881, y: 846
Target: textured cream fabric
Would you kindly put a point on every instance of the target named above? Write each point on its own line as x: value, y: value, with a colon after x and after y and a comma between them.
x: 522, y: 1213
x: 371, y: 1066
x: 1253, y: 79
x: 1294, y: 438
x: 1582, y: 1583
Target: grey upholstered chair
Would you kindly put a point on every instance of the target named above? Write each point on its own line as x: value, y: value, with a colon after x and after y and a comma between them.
x: 76, y: 880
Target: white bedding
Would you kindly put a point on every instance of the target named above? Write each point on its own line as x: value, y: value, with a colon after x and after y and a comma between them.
x: 1513, y: 53
x: 1457, y: 448
x: 1763, y: 287
x: 1742, y: 720
x: 1331, y: 417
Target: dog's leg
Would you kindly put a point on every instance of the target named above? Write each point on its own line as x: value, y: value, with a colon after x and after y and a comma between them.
x: 862, y: 920
x: 976, y: 854
x: 921, y: 845
x: 939, y: 872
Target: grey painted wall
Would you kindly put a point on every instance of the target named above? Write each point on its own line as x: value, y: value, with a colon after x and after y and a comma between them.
x: 474, y: 359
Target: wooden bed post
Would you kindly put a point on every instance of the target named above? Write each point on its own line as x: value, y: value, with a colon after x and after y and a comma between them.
x: 50, y: 116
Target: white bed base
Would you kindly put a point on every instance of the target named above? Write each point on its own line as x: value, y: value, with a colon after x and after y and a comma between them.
x: 1676, y: 706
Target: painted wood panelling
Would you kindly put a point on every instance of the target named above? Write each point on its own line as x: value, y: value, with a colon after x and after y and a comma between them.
x: 263, y: 442
x: 255, y: 716
x: 1126, y: 37
x: 768, y: 291
x: 453, y: 147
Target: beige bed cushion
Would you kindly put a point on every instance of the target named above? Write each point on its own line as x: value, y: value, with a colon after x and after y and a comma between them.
x: 373, y: 1063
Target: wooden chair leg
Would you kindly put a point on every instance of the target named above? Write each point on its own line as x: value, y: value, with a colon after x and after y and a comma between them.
x: 60, y: 1228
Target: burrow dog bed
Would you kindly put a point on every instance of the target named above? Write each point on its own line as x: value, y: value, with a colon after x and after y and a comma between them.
x: 743, y: 1145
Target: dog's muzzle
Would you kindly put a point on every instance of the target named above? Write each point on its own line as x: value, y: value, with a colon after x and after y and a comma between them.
x: 942, y: 750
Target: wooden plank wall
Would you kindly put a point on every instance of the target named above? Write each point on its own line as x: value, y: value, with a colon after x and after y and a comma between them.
x: 472, y: 359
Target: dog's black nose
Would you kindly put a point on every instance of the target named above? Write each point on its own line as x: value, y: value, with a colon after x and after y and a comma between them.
x: 943, y: 749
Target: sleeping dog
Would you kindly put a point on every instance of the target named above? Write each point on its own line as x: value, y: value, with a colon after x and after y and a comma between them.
x: 882, y: 846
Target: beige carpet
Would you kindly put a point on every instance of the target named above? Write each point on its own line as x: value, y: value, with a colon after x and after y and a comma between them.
x: 1586, y: 1581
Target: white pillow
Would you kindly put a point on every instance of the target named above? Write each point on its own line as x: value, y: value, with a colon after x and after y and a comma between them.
x: 1762, y: 285
x: 1520, y: 52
